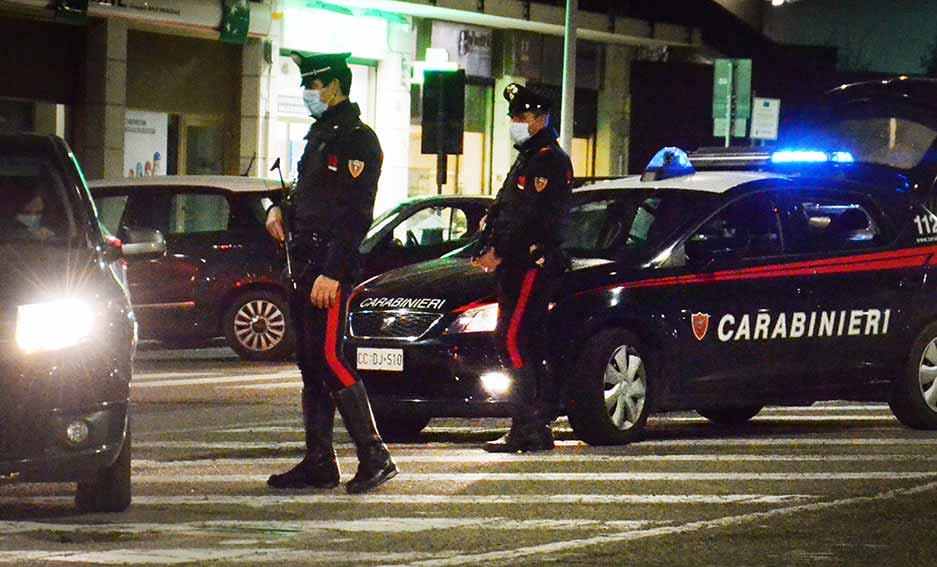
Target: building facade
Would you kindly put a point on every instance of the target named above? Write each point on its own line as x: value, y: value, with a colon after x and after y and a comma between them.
x: 162, y: 87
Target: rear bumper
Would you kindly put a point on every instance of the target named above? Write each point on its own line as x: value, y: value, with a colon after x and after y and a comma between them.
x: 441, y: 377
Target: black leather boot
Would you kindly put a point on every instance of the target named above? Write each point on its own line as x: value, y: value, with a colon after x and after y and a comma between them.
x: 375, y: 465
x: 319, y: 468
x: 528, y: 433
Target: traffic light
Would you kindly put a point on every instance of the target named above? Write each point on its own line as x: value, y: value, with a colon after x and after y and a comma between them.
x: 443, y: 112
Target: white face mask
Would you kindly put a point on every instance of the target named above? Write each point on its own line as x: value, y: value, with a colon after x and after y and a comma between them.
x: 520, y: 132
x: 32, y: 222
x: 313, y: 100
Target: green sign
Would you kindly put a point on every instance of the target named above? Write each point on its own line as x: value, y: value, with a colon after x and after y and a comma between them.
x: 739, y: 127
x: 235, y: 21
x: 732, y: 96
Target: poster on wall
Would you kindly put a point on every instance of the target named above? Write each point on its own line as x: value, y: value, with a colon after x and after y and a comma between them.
x: 145, y: 137
x: 469, y: 46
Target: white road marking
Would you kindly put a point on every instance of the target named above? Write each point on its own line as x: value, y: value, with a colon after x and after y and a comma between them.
x: 139, y: 377
x: 215, y: 380
x: 148, y: 478
x: 266, y: 501
x: 292, y: 385
x: 709, y: 442
x: 224, y: 556
x: 479, y: 457
x: 378, y: 525
x: 512, y: 555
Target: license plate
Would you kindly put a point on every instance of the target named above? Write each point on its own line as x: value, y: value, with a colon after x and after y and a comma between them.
x: 386, y: 359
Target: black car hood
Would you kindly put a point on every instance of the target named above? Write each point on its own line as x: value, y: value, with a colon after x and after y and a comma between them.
x: 33, y: 273
x: 443, y: 285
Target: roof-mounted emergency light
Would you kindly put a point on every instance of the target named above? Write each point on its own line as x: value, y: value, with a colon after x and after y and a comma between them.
x: 810, y: 156
x: 668, y: 162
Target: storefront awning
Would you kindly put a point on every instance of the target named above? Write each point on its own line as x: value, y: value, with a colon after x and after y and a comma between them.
x: 510, y: 14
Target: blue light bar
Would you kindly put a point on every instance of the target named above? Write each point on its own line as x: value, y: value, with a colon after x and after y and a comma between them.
x: 799, y: 156
x: 811, y: 156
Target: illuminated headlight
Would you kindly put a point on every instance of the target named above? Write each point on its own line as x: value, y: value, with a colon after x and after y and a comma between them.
x: 54, y: 325
x: 482, y: 319
x: 496, y: 383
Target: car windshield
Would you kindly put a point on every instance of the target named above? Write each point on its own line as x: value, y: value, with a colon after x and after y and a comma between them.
x: 33, y: 202
x: 891, y: 141
x: 612, y: 224
x: 378, y: 224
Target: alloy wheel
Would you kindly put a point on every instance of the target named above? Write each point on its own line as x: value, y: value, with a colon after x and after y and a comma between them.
x: 625, y: 387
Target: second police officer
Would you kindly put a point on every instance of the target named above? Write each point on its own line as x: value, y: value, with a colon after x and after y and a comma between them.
x: 522, y: 242
x: 328, y: 213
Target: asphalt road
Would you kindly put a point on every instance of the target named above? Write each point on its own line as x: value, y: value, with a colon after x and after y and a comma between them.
x: 839, y: 484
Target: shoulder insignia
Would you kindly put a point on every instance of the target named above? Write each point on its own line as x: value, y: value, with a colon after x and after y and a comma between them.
x: 540, y: 183
x: 355, y: 167
x: 545, y: 149
x: 332, y: 162
x: 521, y: 182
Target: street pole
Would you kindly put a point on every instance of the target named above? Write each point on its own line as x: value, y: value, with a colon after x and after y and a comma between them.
x: 569, y: 77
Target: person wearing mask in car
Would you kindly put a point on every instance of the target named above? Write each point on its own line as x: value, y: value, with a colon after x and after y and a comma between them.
x: 328, y: 212
x: 22, y: 213
x: 521, y: 242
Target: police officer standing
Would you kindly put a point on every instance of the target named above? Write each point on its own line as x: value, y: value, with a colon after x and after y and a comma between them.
x: 521, y: 242
x: 328, y: 213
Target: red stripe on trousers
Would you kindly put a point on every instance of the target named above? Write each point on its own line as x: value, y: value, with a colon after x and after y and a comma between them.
x: 511, y: 338
x: 331, y: 345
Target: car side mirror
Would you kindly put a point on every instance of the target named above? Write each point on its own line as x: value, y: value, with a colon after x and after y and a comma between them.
x: 704, y: 253
x: 143, y: 243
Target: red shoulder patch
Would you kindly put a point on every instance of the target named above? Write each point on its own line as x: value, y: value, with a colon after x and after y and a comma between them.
x: 545, y: 149
x: 521, y: 181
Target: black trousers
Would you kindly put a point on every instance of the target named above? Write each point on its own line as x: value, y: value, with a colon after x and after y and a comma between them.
x: 319, y: 335
x: 524, y: 296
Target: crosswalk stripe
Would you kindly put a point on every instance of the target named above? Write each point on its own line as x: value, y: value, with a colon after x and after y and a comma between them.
x: 299, y: 498
x: 214, y: 380
x: 249, y: 555
x: 709, y: 442
x: 570, y: 477
x: 397, y: 524
x: 481, y: 457
x: 551, y: 549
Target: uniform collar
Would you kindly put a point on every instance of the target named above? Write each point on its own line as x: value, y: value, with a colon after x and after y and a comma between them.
x: 541, y: 139
x: 342, y: 113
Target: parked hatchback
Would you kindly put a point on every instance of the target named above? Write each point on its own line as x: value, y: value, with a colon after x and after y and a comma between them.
x: 221, y: 275
x: 69, y: 334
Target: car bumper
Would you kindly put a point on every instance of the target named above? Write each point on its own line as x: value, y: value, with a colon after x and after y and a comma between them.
x: 442, y: 377
x: 85, y: 387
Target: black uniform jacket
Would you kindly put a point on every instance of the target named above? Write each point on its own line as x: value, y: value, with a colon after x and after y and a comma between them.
x: 332, y: 204
x: 531, y: 207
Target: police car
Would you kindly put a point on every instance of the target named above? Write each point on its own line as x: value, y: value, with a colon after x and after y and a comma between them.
x: 714, y: 291
x: 69, y: 334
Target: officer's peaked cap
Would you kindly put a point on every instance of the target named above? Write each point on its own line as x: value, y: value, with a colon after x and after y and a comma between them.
x: 522, y: 99
x: 324, y: 67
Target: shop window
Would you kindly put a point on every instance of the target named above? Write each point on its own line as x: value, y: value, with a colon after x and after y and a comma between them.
x: 467, y: 172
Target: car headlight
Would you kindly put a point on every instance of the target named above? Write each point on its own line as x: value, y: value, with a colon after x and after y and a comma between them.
x: 54, y: 325
x: 482, y: 319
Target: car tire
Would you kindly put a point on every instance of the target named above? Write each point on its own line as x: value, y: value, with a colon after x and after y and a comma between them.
x: 913, y: 397
x: 109, y: 490
x: 730, y: 417
x: 257, y: 326
x: 397, y: 427
x: 611, y: 392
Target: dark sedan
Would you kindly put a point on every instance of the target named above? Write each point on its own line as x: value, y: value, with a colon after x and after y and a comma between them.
x: 221, y: 275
